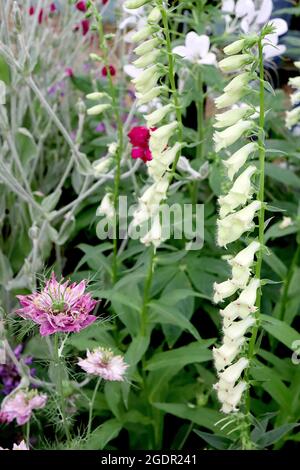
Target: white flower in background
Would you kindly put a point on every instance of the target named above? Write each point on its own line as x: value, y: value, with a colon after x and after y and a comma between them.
x: 292, y: 118
x: 132, y: 19
x: 250, y: 16
x: 196, y: 49
x: 102, y: 165
x: 184, y: 165
x: 285, y: 223
x: 98, y: 109
x: 106, y: 207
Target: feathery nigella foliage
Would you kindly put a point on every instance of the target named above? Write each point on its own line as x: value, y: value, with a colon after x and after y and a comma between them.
x: 237, y: 214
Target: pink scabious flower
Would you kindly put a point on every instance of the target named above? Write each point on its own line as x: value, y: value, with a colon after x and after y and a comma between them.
x: 20, y: 405
x: 139, y: 138
x: 21, y: 446
x: 103, y: 363
x: 104, y: 2
x: 59, y: 307
x: 112, y: 71
x: 31, y: 10
x: 81, y: 6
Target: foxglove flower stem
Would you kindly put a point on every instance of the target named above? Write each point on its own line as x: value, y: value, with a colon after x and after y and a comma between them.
x: 171, y: 74
x: 147, y: 288
x: 200, y: 113
x: 260, y: 197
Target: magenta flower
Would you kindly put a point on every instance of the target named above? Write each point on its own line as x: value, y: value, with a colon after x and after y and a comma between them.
x: 103, y: 363
x: 69, y: 72
x: 20, y: 405
x: 85, y: 25
x: 58, y: 307
x: 81, y: 6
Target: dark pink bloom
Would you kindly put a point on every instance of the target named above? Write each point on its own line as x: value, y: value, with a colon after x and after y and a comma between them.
x: 139, y: 136
x: 53, y: 8
x: 19, y: 406
x: 31, y: 10
x: 104, y: 2
x: 59, y: 307
x: 40, y: 17
x: 69, y: 72
x: 81, y: 6
x: 85, y: 25
x: 143, y: 154
x: 112, y: 71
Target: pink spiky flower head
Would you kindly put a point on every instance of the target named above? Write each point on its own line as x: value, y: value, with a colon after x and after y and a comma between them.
x: 103, y: 363
x: 20, y: 404
x: 21, y: 446
x: 59, y: 307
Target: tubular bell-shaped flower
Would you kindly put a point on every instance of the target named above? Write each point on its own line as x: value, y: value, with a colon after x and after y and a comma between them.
x: 240, y: 192
x: 235, y: 220
x: 292, y: 117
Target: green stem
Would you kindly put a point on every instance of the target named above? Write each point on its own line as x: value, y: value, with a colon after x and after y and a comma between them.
x: 200, y: 129
x: 27, y: 438
x: 147, y: 288
x: 59, y: 384
x: 261, y: 214
x: 115, y: 105
x: 171, y: 74
x: 200, y: 114
x: 91, y: 407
